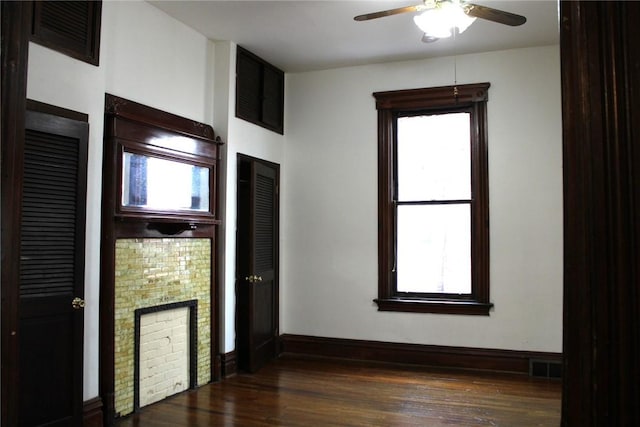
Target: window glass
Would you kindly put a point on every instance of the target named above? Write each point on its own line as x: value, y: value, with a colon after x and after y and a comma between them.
x: 434, y: 157
x: 434, y: 249
x: 161, y: 184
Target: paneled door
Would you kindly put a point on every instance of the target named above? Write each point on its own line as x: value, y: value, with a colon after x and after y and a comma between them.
x: 257, y: 263
x: 51, y: 278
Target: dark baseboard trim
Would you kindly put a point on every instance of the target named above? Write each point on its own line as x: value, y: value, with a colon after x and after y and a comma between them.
x: 229, y: 364
x: 92, y: 413
x: 216, y: 373
x: 512, y: 361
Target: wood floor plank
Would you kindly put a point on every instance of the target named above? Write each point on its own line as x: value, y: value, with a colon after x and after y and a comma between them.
x: 298, y: 391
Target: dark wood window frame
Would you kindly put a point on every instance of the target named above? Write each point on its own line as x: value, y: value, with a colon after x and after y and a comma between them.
x: 470, y: 98
x: 69, y: 27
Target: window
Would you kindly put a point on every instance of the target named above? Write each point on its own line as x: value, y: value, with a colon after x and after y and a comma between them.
x: 433, y: 200
x: 162, y: 168
x: 163, y: 184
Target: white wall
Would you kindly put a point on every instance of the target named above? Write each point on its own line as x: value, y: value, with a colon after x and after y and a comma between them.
x: 330, y: 233
x: 147, y: 57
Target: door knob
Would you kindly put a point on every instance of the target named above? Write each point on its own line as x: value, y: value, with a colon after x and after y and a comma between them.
x: 253, y: 278
x: 77, y: 303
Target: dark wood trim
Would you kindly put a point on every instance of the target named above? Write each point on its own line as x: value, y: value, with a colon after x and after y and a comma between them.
x: 92, y: 413
x: 16, y: 24
x: 416, y: 354
x: 107, y: 285
x: 54, y: 110
x: 439, y: 306
x: 386, y: 223
x: 600, y: 57
x: 216, y: 367
x: 218, y: 276
x: 435, y: 97
x: 229, y: 364
x: 132, y: 229
x: 124, y: 108
x: 218, y: 262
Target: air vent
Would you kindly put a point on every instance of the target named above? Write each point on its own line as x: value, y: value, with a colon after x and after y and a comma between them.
x: 545, y: 369
x: 259, y: 92
x: 70, y: 27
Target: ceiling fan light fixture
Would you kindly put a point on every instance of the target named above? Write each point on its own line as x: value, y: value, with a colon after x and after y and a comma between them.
x: 440, y: 21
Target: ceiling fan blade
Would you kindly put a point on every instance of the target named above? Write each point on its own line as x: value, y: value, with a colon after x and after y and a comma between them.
x: 495, y: 15
x: 384, y: 13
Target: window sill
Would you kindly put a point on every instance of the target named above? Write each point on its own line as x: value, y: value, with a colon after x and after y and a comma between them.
x: 434, y: 306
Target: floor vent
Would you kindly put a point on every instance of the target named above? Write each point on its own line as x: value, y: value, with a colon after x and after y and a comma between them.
x: 545, y: 369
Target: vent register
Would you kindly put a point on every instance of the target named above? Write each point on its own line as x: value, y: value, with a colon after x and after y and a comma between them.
x: 70, y: 27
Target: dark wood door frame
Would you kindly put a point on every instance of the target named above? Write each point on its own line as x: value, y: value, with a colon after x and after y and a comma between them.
x: 600, y: 51
x: 240, y: 320
x: 16, y: 21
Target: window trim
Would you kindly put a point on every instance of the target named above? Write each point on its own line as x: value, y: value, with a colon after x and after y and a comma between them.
x: 136, y: 128
x: 390, y: 105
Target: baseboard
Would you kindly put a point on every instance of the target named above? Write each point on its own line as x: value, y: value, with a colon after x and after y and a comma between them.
x: 92, y: 412
x: 229, y: 364
x: 512, y: 361
x: 216, y: 369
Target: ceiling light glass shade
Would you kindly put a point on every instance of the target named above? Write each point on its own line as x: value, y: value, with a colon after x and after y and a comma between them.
x: 440, y: 21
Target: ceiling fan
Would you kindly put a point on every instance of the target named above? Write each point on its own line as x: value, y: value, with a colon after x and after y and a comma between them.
x: 438, y: 18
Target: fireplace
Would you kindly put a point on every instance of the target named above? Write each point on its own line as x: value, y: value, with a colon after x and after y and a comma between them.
x: 154, y: 275
x: 159, y: 243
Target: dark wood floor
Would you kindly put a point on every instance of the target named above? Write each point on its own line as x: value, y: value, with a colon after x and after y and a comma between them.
x: 295, y: 391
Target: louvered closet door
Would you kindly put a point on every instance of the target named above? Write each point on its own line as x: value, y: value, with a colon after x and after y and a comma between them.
x: 263, y: 258
x: 52, y: 270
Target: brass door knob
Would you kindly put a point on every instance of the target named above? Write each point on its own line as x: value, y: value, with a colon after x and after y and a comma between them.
x: 77, y: 303
x: 253, y: 278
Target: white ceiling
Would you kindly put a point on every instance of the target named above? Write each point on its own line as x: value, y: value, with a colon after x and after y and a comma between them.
x: 308, y: 35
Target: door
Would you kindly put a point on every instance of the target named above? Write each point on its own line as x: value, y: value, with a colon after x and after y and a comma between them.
x: 51, y: 277
x: 257, y: 263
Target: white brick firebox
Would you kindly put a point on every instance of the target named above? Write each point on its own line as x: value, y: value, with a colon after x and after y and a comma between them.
x: 165, y: 347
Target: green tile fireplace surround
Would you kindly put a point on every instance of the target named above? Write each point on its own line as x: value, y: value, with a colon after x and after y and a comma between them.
x: 152, y: 272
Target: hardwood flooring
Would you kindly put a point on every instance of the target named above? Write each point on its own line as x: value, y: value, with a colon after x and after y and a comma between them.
x: 297, y: 391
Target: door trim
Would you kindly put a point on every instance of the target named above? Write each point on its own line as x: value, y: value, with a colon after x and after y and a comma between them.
x: 16, y: 18
x: 247, y: 158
